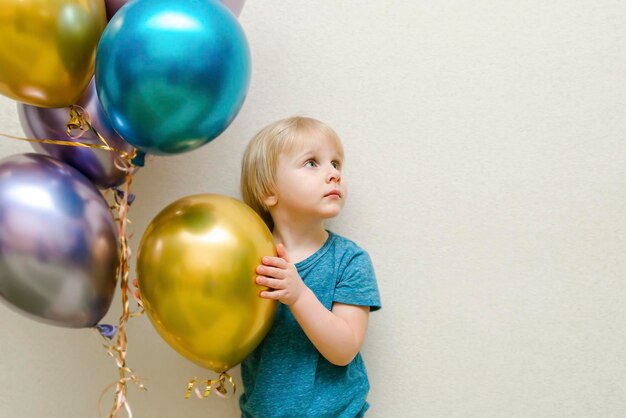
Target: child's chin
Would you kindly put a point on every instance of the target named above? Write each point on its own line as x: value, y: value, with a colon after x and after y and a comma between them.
x: 332, y: 214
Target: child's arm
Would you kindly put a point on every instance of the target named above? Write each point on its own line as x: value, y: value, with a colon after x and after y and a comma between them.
x: 337, y: 334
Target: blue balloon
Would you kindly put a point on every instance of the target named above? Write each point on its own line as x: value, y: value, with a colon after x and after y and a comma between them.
x: 172, y: 75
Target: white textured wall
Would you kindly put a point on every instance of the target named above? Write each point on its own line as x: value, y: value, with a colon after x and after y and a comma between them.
x: 487, y: 167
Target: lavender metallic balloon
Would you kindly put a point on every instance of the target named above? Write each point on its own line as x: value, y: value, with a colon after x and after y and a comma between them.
x: 113, y: 6
x: 50, y: 123
x: 58, y: 243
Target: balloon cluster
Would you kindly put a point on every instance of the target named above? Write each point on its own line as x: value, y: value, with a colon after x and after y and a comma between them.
x: 99, y: 84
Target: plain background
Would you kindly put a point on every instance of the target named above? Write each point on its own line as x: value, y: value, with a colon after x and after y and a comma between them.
x: 487, y: 173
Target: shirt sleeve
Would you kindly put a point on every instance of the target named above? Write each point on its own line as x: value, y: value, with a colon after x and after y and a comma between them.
x: 357, y: 284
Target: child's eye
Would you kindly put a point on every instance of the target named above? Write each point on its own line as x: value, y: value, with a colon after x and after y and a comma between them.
x: 336, y: 164
x: 310, y: 163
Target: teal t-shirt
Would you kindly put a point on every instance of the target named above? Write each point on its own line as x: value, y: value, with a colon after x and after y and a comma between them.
x: 285, y: 376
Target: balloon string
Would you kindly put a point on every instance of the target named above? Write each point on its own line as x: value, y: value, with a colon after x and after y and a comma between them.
x: 119, y: 395
x: 79, y: 119
x: 118, y: 351
x: 123, y: 154
x: 121, y: 404
x: 217, y: 385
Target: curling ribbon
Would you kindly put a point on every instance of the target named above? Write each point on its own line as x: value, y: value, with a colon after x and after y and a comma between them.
x: 121, y: 153
x: 219, y: 383
x: 118, y: 351
x: 79, y: 120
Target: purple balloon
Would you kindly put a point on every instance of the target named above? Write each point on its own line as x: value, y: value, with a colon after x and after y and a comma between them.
x: 58, y: 243
x: 97, y: 165
x: 113, y: 6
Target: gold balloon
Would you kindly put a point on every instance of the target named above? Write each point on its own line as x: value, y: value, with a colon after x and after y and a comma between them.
x: 196, y: 273
x: 48, y: 48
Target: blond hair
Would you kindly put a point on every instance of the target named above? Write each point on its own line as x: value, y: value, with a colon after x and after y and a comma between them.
x: 258, y: 166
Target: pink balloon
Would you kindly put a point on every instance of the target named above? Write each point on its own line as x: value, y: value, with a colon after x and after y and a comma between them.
x: 113, y: 6
x: 235, y: 6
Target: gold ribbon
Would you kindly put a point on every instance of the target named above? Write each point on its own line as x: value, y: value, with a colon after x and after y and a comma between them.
x: 120, y: 393
x: 118, y: 351
x: 219, y: 385
x: 80, y: 120
x: 121, y: 153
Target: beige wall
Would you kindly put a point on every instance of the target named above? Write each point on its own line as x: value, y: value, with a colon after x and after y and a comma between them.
x: 487, y: 168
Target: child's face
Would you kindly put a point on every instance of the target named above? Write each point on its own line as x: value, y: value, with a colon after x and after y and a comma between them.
x: 308, y: 179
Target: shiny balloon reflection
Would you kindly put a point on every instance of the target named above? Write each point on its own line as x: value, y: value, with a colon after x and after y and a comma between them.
x: 196, y: 271
x: 58, y: 243
x: 172, y: 75
x: 47, y: 49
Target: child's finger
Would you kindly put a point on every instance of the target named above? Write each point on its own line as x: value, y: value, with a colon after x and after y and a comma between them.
x: 275, y: 261
x: 271, y: 272
x: 269, y: 282
x: 282, y: 252
x: 274, y: 295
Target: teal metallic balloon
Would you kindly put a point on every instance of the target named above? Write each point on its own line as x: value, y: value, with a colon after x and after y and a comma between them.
x: 172, y: 75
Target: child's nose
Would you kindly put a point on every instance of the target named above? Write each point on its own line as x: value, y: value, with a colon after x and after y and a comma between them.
x: 334, y: 175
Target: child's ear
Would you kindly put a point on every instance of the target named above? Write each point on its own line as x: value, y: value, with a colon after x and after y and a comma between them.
x: 270, y: 201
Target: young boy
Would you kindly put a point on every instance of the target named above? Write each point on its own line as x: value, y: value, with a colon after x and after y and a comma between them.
x: 309, y: 363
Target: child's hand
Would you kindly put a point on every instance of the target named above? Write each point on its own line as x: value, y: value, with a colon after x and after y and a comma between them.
x: 280, y: 275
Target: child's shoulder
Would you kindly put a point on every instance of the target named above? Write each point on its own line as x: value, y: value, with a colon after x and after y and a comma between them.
x: 345, y: 245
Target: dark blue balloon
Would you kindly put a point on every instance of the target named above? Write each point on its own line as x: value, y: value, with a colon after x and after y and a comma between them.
x: 172, y: 75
